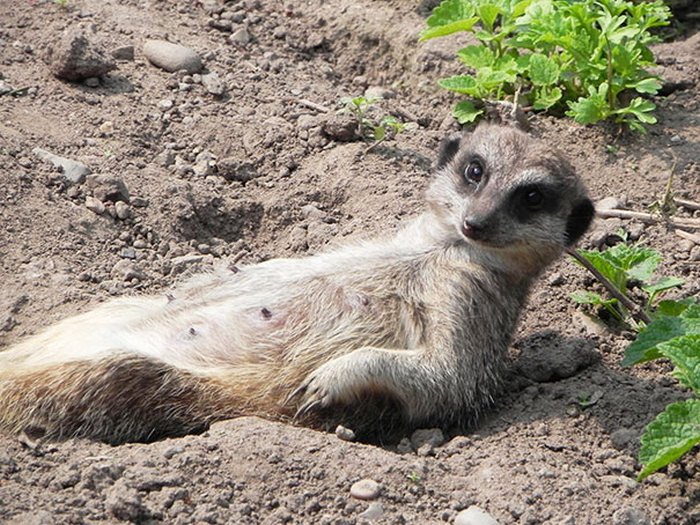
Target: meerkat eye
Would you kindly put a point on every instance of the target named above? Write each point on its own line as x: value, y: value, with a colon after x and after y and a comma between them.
x: 474, y: 172
x: 533, y: 198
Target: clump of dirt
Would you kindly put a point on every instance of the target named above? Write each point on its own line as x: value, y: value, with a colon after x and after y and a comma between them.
x: 236, y: 163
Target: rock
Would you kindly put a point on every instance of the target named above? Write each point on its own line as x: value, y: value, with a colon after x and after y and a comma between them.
x: 122, y: 209
x: 475, y: 516
x: 123, y: 53
x: 635, y: 230
x: 172, y: 57
x: 75, y: 58
x: 375, y: 511
x: 379, y: 92
x: 92, y: 82
x: 695, y: 254
x: 240, y: 36
x: 365, y: 489
x: 608, y: 203
x: 5, y: 88
x: 404, y: 446
x: 432, y: 437
x: 630, y: 516
x: 344, y: 433
x: 107, y: 188
x: 213, y: 84
x: 341, y: 127
x: 72, y: 170
x: 94, y: 205
x: 204, y: 164
x: 232, y: 168
x: 126, y: 270
x: 545, y: 357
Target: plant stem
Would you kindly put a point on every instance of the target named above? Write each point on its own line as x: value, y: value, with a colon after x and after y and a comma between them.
x: 635, y: 310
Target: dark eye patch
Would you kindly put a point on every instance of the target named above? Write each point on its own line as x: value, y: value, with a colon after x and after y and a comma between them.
x: 531, y: 199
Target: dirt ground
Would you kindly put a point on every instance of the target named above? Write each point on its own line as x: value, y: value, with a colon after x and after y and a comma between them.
x: 249, y: 169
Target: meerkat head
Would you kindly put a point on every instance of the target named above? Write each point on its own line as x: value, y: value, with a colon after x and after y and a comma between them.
x: 509, y: 195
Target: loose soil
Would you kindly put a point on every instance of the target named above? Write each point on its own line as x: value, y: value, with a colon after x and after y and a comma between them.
x: 251, y: 175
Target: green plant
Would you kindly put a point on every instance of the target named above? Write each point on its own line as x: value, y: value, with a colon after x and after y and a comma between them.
x: 387, y: 127
x: 586, y: 57
x: 414, y: 477
x: 61, y: 3
x: 620, y: 266
x: 673, y: 334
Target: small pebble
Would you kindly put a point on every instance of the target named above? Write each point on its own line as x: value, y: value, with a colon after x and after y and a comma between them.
x: 240, y: 36
x: 94, y: 205
x: 475, y: 516
x: 123, y: 53
x: 375, y: 511
x: 365, y: 489
x: 344, y: 433
x: 92, y: 82
x: 213, y: 84
x: 608, y: 203
x: 122, y: 209
x: 172, y: 57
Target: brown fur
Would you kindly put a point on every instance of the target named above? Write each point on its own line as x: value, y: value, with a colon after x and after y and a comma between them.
x: 410, y: 328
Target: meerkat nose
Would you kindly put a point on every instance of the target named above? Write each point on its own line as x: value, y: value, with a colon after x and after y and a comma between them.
x: 472, y: 228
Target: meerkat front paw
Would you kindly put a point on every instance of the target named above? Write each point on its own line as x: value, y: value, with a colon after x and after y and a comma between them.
x: 333, y: 383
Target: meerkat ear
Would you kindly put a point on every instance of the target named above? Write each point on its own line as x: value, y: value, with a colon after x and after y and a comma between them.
x: 448, y: 149
x: 579, y: 220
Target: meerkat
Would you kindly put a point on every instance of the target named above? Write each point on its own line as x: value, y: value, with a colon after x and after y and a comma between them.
x: 418, y: 322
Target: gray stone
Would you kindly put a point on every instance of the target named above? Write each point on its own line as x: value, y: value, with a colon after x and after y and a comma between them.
x: 75, y: 58
x: 240, y: 36
x: 344, y: 433
x: 122, y: 209
x: 475, y: 516
x: 126, y: 270
x: 630, y: 516
x: 172, y: 57
x: 375, y: 511
x: 94, y: 205
x: 92, y: 82
x: 107, y: 188
x: 213, y: 84
x: 365, y: 489
x: 379, y: 92
x: 427, y: 436
x: 341, y: 127
x: 608, y: 203
x: 75, y: 172
x: 123, y: 53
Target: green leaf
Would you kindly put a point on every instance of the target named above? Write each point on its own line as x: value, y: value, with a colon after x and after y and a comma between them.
x: 650, y: 86
x: 663, y: 284
x: 684, y: 353
x: 464, y: 84
x: 465, y: 112
x: 378, y: 133
x: 476, y: 56
x: 449, y: 17
x: 546, y: 97
x: 586, y: 297
x: 660, y: 330
x: 543, y: 70
x: 673, y: 433
x: 674, y: 308
x: 448, y: 29
x: 488, y: 14
x: 590, y: 109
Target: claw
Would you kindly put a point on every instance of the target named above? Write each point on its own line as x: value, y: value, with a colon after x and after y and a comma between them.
x: 306, y: 408
x: 295, y: 393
